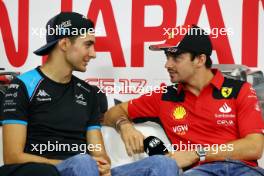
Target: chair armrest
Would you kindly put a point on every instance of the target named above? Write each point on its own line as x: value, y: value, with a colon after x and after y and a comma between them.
x: 116, y: 148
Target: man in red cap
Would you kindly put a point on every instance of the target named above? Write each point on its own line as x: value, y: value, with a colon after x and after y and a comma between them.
x: 214, y: 123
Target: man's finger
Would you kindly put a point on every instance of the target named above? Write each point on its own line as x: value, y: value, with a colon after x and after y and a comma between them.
x: 137, y: 142
x: 141, y: 144
x: 103, y: 169
x: 132, y: 142
x: 107, y: 174
x: 100, y: 160
x: 128, y: 148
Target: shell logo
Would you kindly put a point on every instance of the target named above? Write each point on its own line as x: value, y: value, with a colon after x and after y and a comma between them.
x: 179, y: 113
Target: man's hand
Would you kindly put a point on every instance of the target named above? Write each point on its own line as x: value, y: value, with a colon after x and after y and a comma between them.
x: 184, y: 158
x: 132, y: 138
x: 104, y: 166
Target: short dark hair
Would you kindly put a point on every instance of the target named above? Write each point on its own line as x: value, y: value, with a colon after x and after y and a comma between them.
x: 73, y: 38
x: 208, y: 62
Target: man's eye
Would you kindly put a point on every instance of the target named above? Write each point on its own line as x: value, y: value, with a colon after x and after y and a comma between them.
x: 176, y: 59
x: 88, y: 45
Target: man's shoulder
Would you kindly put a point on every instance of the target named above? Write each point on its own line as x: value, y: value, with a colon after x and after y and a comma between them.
x: 230, y: 89
x: 30, y: 76
x: 234, y: 82
x: 172, y: 94
x: 30, y: 80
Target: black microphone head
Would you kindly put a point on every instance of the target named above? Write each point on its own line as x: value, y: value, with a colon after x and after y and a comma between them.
x: 154, y: 146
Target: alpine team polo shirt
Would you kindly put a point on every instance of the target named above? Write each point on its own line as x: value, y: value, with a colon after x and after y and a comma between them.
x: 57, y: 116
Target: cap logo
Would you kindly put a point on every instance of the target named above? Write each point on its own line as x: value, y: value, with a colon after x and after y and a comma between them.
x: 172, y: 50
x: 171, y: 35
x: 65, y: 24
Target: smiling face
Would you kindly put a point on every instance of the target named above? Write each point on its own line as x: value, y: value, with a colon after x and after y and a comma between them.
x: 80, y: 52
x: 181, y: 68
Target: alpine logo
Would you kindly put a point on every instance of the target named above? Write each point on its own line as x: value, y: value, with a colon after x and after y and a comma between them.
x: 42, y: 93
x: 80, y: 100
x: 80, y: 97
x: 225, y: 109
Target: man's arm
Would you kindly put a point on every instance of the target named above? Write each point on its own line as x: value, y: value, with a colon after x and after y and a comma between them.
x: 116, y: 113
x: 96, y: 143
x: 97, y: 150
x: 247, y: 148
x: 14, y: 139
x: 117, y: 117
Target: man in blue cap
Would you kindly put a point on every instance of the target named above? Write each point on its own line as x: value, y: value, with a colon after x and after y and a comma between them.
x: 51, y: 116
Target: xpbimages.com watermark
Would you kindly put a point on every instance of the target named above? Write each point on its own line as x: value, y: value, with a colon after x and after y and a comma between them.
x: 59, y: 147
x: 57, y: 31
x: 182, y: 30
x: 124, y: 89
x: 213, y: 148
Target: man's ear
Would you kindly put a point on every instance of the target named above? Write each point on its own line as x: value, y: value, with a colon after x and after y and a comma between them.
x: 200, y: 60
x: 64, y: 43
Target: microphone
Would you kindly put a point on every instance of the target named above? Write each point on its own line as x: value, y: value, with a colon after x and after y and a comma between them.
x: 154, y: 146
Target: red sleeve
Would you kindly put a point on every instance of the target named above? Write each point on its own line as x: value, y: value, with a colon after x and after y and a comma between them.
x: 147, y: 105
x: 249, y: 112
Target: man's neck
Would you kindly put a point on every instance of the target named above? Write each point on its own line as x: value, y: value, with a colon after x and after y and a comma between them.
x: 57, y: 70
x: 199, y: 81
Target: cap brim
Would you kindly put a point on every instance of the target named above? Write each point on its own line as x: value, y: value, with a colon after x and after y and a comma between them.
x: 44, y: 50
x: 161, y: 47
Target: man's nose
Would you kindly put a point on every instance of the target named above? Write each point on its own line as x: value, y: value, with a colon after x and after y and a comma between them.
x: 169, y: 62
x: 92, y: 53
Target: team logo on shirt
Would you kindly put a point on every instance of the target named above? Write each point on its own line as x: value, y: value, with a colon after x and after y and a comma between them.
x: 257, y: 107
x: 42, y: 95
x: 179, y: 113
x: 226, y: 91
x: 225, y: 109
x: 180, y: 129
x: 253, y: 93
x: 225, y: 122
x: 13, y: 86
x: 11, y: 95
x: 81, y: 86
x: 80, y: 99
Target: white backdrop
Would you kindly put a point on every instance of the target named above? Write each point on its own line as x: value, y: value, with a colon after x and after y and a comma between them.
x: 125, y: 30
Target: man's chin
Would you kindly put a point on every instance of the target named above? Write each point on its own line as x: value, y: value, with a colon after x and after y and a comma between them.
x: 83, y: 70
x: 173, y: 80
x: 80, y: 69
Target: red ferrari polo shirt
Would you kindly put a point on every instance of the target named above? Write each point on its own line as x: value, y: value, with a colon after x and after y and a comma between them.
x: 225, y: 110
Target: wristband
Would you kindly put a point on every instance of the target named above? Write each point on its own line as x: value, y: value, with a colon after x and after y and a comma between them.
x: 120, y: 121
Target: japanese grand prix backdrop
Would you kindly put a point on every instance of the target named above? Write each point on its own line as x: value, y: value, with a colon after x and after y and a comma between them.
x: 125, y: 29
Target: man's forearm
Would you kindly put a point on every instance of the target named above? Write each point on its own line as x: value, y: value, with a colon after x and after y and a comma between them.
x: 248, y: 148
x: 114, y: 114
x: 25, y: 157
